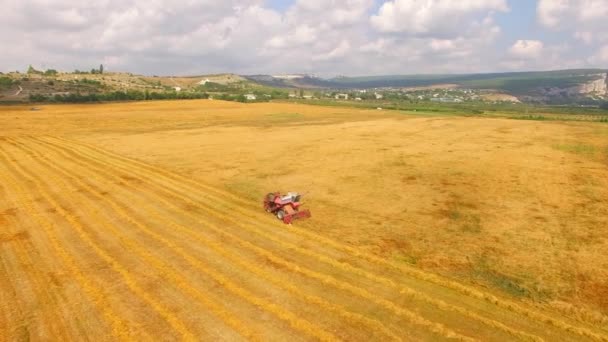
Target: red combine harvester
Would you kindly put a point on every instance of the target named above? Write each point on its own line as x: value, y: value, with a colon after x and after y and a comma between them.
x: 285, y: 207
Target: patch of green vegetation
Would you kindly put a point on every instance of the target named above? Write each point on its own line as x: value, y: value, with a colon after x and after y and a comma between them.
x: 582, y: 149
x: 466, y: 222
x: 408, y: 259
x: 530, y: 117
x: 284, y: 116
x: 503, y: 282
x: 130, y: 95
x: 88, y: 81
x: 5, y: 82
x: 244, y: 188
x: 472, y: 224
x: 471, y: 108
x: 482, y: 270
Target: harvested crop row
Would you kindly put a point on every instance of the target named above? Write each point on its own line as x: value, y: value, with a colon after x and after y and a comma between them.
x: 175, y: 323
x: 281, y: 313
x: 165, y: 269
x: 410, y: 271
x: 347, y: 267
x: 328, y: 280
x: 37, y: 283
x: 120, y: 329
x: 317, y: 301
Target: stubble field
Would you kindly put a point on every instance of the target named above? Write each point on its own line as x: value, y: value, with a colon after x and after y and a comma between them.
x: 143, y: 221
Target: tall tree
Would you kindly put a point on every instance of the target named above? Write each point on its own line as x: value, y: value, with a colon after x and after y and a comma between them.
x: 101, y: 68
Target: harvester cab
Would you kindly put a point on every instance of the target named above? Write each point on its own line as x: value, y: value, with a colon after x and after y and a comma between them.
x: 285, y: 207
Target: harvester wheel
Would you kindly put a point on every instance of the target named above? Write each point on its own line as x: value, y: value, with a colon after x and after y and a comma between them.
x: 280, y: 214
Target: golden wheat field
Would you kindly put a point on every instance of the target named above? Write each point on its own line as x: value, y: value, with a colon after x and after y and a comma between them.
x: 143, y: 221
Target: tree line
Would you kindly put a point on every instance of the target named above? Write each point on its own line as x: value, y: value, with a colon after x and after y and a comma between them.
x: 131, y: 95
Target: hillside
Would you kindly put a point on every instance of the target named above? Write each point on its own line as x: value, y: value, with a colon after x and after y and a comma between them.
x: 583, y: 86
x: 540, y: 86
x: 20, y: 87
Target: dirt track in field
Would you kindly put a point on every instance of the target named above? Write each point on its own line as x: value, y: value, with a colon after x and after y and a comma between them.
x: 100, y: 246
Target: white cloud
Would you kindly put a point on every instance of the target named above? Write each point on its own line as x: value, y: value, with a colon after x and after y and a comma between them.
x: 527, y: 49
x: 600, y: 57
x: 326, y: 37
x: 433, y: 17
x: 330, y: 13
x: 339, y: 51
x: 585, y: 19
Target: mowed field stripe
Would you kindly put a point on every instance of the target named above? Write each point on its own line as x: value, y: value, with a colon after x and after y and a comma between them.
x: 281, y: 313
x: 48, y: 306
x: 161, y: 310
x: 411, y: 271
x: 509, y: 305
x: 119, y: 327
x: 439, y: 304
x: 13, y: 321
x: 164, y: 268
x: 328, y: 280
x: 349, y: 268
x: 160, y: 171
x: 18, y: 244
x: 374, y: 325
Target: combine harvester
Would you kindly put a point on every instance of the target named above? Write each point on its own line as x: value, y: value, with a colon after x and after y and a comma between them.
x: 285, y: 207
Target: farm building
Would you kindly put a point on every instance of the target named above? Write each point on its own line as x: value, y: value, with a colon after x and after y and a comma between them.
x: 341, y: 96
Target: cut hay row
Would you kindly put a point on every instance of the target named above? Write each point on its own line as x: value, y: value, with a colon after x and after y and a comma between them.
x: 360, y: 272
x: 135, y: 287
x: 38, y: 280
x: 411, y: 271
x: 316, y: 301
x: 325, y: 279
x: 374, y: 325
x: 119, y: 327
x: 176, y: 278
x: 439, y: 304
x: 159, y: 171
x: 8, y: 313
x: 338, y: 264
x: 164, y: 268
x: 463, y: 289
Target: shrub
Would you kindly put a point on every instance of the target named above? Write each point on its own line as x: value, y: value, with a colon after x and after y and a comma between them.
x: 5, y: 82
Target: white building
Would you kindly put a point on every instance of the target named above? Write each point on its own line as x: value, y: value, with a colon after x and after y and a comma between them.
x: 250, y: 97
x: 341, y: 96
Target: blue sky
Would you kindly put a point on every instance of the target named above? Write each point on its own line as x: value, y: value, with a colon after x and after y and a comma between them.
x: 324, y: 37
x: 280, y: 5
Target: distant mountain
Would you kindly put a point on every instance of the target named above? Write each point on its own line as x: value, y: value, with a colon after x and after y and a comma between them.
x: 291, y: 81
x: 528, y: 85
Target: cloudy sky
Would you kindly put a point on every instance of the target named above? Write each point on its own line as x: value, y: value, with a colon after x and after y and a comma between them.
x: 324, y: 37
